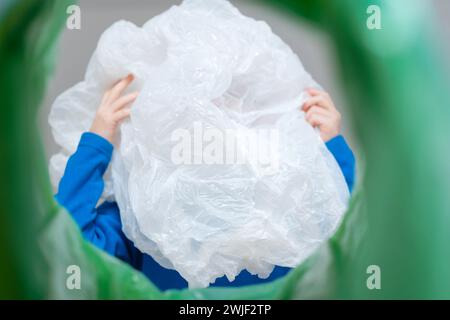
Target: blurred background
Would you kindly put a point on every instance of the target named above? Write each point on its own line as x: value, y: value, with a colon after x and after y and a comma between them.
x: 312, y: 47
x: 406, y: 203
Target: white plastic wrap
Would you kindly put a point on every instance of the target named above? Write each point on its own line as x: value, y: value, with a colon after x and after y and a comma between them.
x: 204, y: 63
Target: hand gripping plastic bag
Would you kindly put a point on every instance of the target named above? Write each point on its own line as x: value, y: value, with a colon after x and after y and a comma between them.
x: 216, y: 170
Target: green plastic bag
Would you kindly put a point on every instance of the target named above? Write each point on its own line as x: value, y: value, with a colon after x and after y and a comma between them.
x: 399, y: 216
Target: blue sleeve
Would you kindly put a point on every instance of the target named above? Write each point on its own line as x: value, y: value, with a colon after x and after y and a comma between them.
x: 82, y: 183
x: 80, y: 190
x: 344, y: 157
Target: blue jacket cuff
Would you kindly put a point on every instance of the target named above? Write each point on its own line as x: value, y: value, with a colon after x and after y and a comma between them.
x: 337, y: 144
x: 92, y: 140
x: 344, y: 157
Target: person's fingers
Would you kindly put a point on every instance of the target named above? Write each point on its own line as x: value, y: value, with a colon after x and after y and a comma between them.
x: 105, y: 97
x: 122, y: 114
x: 316, y: 101
x: 316, y: 92
x: 316, y: 119
x: 124, y: 101
x: 120, y: 87
x: 319, y: 110
x: 313, y: 92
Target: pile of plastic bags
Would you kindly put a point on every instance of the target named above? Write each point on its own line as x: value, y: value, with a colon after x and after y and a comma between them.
x: 216, y: 170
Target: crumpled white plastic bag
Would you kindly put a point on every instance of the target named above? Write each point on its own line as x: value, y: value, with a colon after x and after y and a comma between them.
x: 204, y: 63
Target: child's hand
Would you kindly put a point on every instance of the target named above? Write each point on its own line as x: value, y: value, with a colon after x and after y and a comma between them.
x: 113, y: 109
x: 320, y: 112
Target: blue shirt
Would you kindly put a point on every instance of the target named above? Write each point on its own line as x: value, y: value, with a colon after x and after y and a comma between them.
x: 82, y: 185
